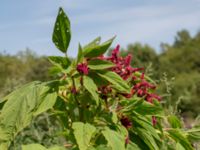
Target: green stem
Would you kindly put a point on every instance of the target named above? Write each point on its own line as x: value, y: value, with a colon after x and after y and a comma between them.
x: 80, y: 108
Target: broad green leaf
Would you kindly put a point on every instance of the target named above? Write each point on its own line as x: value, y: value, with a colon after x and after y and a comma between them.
x: 54, y: 70
x: 40, y: 147
x: 4, y: 145
x: 94, y: 43
x: 24, y: 89
x: 132, y: 146
x: 99, y: 81
x: 179, y: 147
x: 174, y: 121
x: 115, y: 140
x: 83, y: 134
x: 117, y: 82
x: 97, y: 64
x: 60, y: 62
x: 56, y: 148
x: 180, y: 137
x: 100, y: 147
x: 33, y: 147
x: 22, y: 105
x: 48, y: 102
x: 97, y: 50
x: 147, y: 138
x: 122, y: 130
x: 89, y: 84
x: 62, y: 32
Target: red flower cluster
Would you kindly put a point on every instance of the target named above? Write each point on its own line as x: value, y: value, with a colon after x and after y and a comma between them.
x: 142, y: 89
x: 82, y: 68
x: 123, y: 68
x: 140, y: 86
x: 104, y: 90
x: 123, y: 65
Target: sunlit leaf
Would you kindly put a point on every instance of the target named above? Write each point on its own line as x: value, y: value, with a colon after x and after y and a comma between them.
x: 94, y: 50
x: 116, y: 80
x: 180, y: 137
x: 22, y: 105
x: 115, y: 140
x: 94, y: 43
x: 97, y: 64
x: 83, y: 134
x: 60, y: 62
x: 62, y: 32
x: 89, y: 84
x: 40, y: 147
x: 194, y: 134
x: 174, y: 121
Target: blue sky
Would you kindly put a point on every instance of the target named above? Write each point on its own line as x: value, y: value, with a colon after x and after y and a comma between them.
x: 30, y: 24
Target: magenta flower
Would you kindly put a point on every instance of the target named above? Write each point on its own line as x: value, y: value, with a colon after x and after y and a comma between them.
x: 127, y: 60
x: 105, y: 90
x: 154, y: 121
x: 126, y: 122
x: 127, y: 95
x: 73, y: 90
x: 83, y: 68
x: 115, y: 54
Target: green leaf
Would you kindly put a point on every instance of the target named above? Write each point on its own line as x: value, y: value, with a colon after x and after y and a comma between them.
x: 22, y: 105
x: 179, y: 147
x: 147, y: 108
x: 48, y: 102
x: 117, y: 82
x: 61, y: 62
x: 100, y: 147
x: 62, y: 32
x: 132, y: 146
x: 179, y: 137
x: 33, y: 147
x: 194, y: 134
x: 83, y: 134
x: 4, y: 145
x: 115, y: 140
x: 147, y: 138
x: 40, y: 147
x: 94, y: 43
x: 89, y: 84
x: 80, y: 54
x: 142, y: 122
x: 97, y: 64
x: 131, y: 104
x: 94, y: 50
x: 99, y: 81
x: 174, y: 121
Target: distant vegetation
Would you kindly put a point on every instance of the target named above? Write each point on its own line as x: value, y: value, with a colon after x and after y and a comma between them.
x: 176, y: 68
